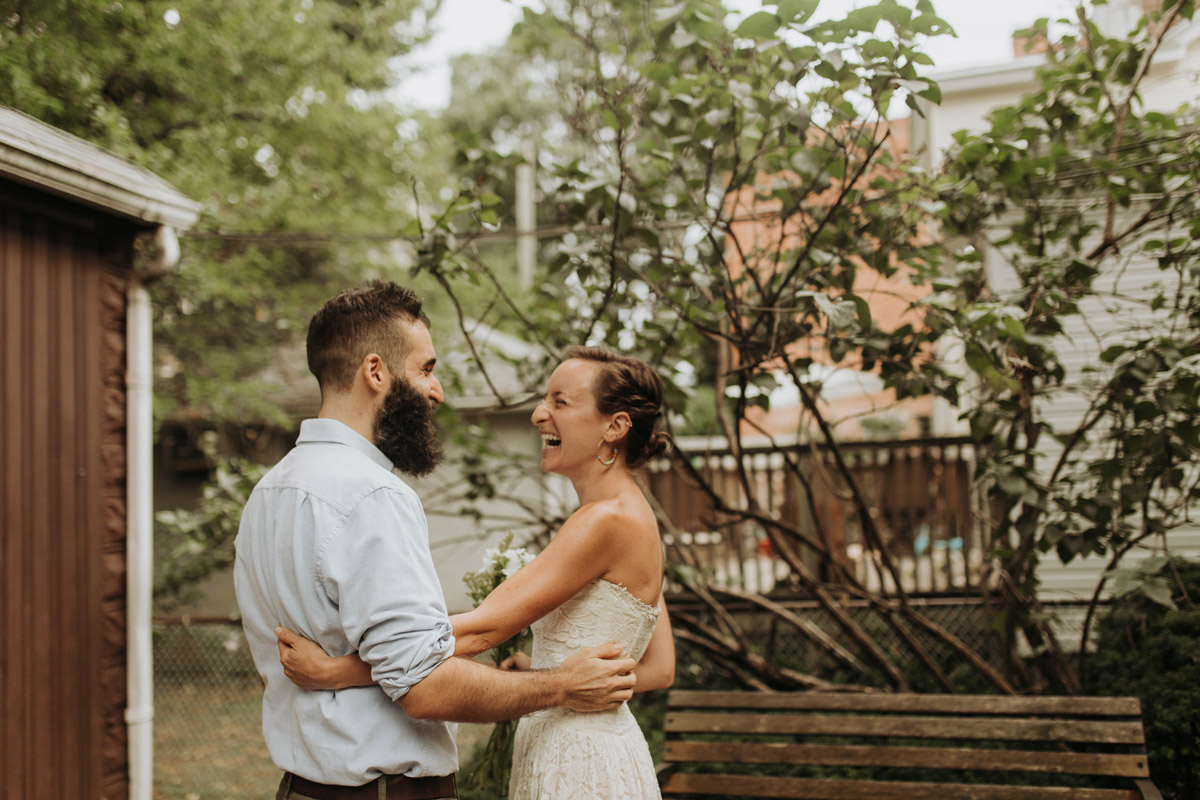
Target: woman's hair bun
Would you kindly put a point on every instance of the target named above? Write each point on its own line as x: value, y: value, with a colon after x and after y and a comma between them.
x: 659, y: 443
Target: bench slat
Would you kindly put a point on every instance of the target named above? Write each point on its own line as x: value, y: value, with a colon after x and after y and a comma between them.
x: 912, y: 703
x: 979, y: 728
x: 961, y: 758
x: 823, y: 789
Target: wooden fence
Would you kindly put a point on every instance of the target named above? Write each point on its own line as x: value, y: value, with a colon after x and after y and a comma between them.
x: 920, y: 493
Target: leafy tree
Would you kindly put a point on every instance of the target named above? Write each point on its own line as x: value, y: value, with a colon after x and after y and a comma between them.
x: 1076, y: 186
x: 273, y: 115
x: 724, y: 189
x: 683, y: 130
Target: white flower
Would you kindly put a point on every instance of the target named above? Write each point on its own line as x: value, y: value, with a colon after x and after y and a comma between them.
x: 514, y: 560
x: 499, y: 564
x: 490, y: 557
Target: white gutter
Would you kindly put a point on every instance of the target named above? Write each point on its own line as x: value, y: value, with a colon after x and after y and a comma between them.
x: 139, y: 553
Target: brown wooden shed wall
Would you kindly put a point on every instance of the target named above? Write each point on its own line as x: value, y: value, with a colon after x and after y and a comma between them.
x: 63, y: 278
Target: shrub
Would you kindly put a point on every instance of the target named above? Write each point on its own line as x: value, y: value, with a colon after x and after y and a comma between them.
x: 1152, y: 651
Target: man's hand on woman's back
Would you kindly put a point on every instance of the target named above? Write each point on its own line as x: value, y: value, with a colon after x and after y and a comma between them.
x: 597, y: 678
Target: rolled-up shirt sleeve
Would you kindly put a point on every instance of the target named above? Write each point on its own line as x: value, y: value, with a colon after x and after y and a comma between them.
x: 379, y: 571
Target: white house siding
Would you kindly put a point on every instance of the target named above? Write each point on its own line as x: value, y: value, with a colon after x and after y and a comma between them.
x: 968, y: 97
x: 1102, y: 322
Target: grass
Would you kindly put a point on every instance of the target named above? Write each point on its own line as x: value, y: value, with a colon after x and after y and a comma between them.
x: 208, y: 742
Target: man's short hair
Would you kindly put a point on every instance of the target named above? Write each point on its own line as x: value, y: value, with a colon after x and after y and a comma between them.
x: 356, y: 323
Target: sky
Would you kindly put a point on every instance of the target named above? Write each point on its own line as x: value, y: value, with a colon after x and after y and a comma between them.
x: 984, y: 29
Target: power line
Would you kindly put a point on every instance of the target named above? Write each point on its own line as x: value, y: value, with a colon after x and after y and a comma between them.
x: 548, y: 232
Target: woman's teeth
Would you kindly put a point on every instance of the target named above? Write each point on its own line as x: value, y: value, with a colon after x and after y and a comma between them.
x: 550, y: 441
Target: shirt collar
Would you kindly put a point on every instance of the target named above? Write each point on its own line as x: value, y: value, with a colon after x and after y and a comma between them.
x: 331, y: 431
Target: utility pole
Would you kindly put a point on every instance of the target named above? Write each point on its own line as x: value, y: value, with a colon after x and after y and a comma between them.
x: 526, y: 220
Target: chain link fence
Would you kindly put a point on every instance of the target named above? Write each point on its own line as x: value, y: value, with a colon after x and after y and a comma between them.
x: 208, y: 731
x: 781, y: 644
x: 208, y: 715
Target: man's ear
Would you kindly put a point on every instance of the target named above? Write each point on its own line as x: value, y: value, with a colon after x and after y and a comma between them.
x: 374, y: 372
x: 618, y: 426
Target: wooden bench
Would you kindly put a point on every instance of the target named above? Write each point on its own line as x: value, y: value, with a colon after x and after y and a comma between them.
x: 827, y: 746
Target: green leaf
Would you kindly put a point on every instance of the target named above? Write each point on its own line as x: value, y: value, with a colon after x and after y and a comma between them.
x: 1112, y: 353
x: 1146, y: 410
x: 1159, y: 591
x: 932, y: 93
x: 760, y: 25
x: 1015, y: 328
x: 999, y: 382
x: 865, y: 19
x: 864, y: 311
x: 977, y: 359
x: 797, y: 11
x: 1012, y: 485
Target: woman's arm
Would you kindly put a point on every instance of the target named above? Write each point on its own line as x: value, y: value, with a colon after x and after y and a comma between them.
x: 309, y: 667
x: 583, y: 550
x: 656, y: 670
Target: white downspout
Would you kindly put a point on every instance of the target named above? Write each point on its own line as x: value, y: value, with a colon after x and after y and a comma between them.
x: 139, y: 548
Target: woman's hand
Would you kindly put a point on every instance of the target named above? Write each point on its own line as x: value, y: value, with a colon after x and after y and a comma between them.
x: 517, y: 662
x: 307, y: 665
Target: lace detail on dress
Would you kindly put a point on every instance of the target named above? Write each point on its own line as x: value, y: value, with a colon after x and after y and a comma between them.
x: 563, y: 754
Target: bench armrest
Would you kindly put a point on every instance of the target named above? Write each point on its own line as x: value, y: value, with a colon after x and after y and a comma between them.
x: 1147, y: 790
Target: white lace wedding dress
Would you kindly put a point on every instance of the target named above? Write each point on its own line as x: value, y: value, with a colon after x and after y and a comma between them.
x: 567, y: 755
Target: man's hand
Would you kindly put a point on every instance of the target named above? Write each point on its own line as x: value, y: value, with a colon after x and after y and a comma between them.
x: 597, y: 679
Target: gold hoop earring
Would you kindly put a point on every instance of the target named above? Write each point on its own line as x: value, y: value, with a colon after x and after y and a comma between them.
x: 608, y: 463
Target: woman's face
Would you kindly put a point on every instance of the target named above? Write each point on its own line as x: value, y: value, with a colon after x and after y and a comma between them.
x: 570, y: 424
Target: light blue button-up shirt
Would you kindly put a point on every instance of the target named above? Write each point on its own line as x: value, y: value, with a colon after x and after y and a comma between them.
x: 335, y: 546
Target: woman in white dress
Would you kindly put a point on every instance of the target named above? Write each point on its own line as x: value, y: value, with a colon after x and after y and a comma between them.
x: 599, y: 580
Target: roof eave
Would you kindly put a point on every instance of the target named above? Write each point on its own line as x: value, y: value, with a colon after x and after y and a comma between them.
x: 992, y: 76
x: 44, y: 157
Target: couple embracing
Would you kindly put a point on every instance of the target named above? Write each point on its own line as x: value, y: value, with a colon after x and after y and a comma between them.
x: 364, y: 671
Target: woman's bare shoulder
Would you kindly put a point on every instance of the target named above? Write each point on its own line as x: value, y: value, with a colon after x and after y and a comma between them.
x: 617, y: 514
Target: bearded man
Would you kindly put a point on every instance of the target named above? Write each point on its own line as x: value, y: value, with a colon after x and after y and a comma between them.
x: 335, y: 546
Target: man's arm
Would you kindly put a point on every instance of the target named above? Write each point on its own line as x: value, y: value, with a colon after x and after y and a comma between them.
x: 306, y: 665
x: 656, y: 670
x: 377, y: 569
x: 460, y: 690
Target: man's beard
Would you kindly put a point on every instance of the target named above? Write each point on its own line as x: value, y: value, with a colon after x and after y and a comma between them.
x: 404, y: 430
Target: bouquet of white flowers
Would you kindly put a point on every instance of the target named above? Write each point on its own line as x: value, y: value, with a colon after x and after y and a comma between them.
x: 494, y: 763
